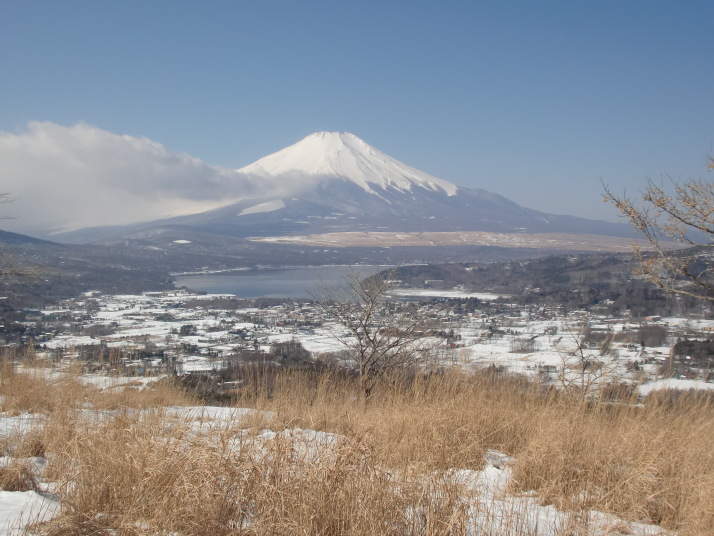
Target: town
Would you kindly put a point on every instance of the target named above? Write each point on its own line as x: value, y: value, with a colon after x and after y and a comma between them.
x: 184, y: 333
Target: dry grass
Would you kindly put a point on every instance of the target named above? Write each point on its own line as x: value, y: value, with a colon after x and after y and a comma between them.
x: 19, y: 475
x: 128, y: 471
x: 424, y: 423
x: 43, y: 390
x: 134, y: 476
x: 33, y: 390
x: 158, y: 394
x: 651, y: 463
x: 642, y: 464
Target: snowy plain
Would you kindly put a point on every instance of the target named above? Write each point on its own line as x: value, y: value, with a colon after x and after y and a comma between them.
x: 554, y: 352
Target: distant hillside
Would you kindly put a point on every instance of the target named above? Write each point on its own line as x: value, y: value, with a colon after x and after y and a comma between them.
x: 603, y: 282
x: 7, y: 238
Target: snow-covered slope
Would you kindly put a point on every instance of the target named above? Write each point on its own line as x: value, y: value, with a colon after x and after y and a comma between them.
x: 343, y: 155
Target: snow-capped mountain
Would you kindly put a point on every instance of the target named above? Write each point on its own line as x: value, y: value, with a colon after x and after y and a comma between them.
x: 342, y: 155
x: 335, y: 182
x: 331, y: 181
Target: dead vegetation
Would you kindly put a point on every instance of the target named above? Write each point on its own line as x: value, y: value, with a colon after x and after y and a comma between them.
x: 316, y: 460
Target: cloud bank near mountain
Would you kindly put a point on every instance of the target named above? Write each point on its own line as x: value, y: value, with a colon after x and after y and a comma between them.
x: 65, y: 179
x: 62, y: 177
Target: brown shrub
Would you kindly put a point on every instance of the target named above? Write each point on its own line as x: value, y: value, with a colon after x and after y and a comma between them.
x: 19, y: 475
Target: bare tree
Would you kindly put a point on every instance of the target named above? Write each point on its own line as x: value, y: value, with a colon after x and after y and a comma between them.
x: 378, y: 335
x: 681, y: 218
x: 580, y: 368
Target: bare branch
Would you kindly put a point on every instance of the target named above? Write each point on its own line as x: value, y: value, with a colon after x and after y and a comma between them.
x: 683, y: 218
x: 378, y: 335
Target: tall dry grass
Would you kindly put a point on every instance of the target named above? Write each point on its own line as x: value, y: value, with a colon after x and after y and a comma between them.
x: 134, y: 474
x: 651, y: 463
x: 381, y: 466
x: 36, y: 390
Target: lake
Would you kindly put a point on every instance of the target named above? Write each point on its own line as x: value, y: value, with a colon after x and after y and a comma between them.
x: 296, y: 283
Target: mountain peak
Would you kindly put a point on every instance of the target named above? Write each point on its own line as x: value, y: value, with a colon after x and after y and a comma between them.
x: 326, y: 134
x: 342, y: 155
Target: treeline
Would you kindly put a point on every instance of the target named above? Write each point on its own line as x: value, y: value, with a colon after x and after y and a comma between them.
x: 603, y: 282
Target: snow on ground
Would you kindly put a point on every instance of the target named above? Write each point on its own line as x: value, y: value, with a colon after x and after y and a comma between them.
x: 21, y: 508
x: 269, y: 206
x: 19, y: 424
x: 105, y: 383
x: 674, y: 383
x: 205, y: 419
x: 491, y: 508
x: 100, y: 381
x: 429, y: 293
x: 71, y: 341
x: 493, y: 511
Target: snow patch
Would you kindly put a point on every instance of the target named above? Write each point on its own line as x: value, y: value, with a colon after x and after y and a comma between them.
x: 269, y: 206
x: 429, y: 293
x: 674, y: 383
x: 21, y: 508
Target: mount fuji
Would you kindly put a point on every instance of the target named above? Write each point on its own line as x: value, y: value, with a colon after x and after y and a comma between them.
x: 335, y: 184
x: 342, y: 155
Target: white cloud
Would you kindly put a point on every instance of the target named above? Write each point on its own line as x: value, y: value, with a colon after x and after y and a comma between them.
x: 64, y: 178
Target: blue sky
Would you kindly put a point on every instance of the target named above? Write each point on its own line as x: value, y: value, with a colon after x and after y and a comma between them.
x: 537, y: 101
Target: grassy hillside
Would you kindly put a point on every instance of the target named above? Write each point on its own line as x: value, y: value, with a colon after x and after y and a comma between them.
x: 315, y: 460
